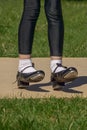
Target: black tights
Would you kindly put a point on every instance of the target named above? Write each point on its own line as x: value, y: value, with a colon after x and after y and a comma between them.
x: 55, y: 26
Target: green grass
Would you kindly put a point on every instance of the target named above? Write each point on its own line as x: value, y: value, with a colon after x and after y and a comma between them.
x: 10, y: 11
x: 43, y: 114
x: 75, y: 29
x: 52, y: 113
x: 75, y: 19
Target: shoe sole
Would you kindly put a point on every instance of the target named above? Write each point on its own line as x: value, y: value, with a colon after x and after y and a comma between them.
x: 36, y: 77
x: 68, y: 77
x: 71, y: 75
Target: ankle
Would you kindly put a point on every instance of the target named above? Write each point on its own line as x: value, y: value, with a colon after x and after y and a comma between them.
x: 23, y: 56
x: 26, y: 63
x: 56, y: 66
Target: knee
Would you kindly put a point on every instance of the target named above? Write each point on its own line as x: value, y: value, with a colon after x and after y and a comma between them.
x: 31, y: 12
x: 53, y: 14
x: 34, y: 12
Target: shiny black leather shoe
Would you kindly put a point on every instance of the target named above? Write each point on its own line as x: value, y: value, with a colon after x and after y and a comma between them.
x: 60, y: 78
x: 23, y: 79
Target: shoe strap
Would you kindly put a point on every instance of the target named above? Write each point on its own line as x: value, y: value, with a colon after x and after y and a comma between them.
x: 27, y: 67
x: 58, y: 65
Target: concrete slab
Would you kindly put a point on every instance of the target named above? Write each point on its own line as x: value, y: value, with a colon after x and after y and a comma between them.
x: 43, y: 89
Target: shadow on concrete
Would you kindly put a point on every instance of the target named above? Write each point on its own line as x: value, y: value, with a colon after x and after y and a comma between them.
x: 76, y: 83
x: 67, y: 88
x: 38, y: 87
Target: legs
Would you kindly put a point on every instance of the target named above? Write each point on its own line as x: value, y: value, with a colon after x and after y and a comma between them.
x: 55, y: 27
x: 26, y: 71
x: 27, y: 26
x: 55, y: 36
x: 26, y: 29
x: 60, y: 74
x: 55, y: 30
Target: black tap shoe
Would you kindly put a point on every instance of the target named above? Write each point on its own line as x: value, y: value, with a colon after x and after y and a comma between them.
x: 23, y: 79
x: 60, y: 78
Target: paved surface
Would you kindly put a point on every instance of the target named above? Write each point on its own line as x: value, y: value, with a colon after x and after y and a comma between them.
x: 8, y: 70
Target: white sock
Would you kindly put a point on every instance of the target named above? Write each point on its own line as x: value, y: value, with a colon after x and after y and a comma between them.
x: 23, y: 63
x: 53, y: 65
